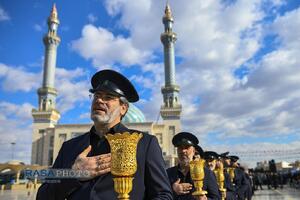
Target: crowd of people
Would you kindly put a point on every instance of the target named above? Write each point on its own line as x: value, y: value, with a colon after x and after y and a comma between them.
x: 237, y: 182
x: 273, y: 180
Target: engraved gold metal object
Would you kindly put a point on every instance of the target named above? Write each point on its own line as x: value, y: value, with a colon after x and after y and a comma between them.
x: 219, y: 172
x: 230, y: 171
x: 123, y: 161
x: 197, y: 175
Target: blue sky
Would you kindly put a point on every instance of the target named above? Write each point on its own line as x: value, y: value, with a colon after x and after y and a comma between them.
x: 237, y: 64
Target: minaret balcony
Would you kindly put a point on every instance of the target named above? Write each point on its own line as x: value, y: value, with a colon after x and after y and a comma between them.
x: 51, y: 38
x: 170, y: 89
x: 167, y: 37
x: 171, y: 113
x: 47, y: 90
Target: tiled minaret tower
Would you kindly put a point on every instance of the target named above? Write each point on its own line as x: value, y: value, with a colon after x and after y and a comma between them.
x: 171, y: 107
x: 46, y: 116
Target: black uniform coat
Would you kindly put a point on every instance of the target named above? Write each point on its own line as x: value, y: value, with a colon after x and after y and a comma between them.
x: 209, y: 184
x: 241, y: 183
x: 230, y: 189
x: 150, y: 180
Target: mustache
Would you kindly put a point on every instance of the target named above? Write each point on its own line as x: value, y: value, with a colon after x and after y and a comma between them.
x: 100, y: 107
x: 184, y: 156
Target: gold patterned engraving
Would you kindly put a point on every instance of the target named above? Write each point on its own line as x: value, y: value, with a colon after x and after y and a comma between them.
x: 197, y: 175
x: 219, y: 172
x: 123, y: 160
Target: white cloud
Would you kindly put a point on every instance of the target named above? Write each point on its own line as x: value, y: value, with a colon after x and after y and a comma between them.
x: 18, y: 79
x: 103, y: 48
x: 72, y: 86
x: 20, y: 111
x: 260, y: 151
x: 39, y: 63
x: 151, y: 81
x: 4, y: 15
x: 86, y: 115
x: 15, y: 120
x: 152, y: 74
x: 214, y: 40
x: 92, y: 18
x: 150, y: 107
x: 210, y: 36
x: 286, y: 27
x: 208, y: 40
x: 38, y: 27
x: 144, y: 25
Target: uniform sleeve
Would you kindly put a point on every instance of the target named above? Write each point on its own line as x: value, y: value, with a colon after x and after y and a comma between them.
x: 228, y: 185
x: 156, y: 180
x: 244, y: 185
x: 58, y: 191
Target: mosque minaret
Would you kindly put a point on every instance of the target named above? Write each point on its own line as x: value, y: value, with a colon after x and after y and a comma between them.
x: 47, y: 93
x: 171, y: 107
x: 46, y: 115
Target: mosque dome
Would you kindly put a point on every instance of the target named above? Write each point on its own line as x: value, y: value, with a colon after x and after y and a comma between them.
x: 133, y: 115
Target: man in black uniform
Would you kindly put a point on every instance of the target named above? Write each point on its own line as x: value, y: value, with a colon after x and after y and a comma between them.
x: 179, y: 176
x: 240, y: 182
x: 91, y: 151
x: 211, y: 163
x: 230, y: 189
x: 211, y: 159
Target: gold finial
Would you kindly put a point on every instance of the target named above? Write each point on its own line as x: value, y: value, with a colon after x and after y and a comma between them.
x: 53, y: 15
x: 168, y: 13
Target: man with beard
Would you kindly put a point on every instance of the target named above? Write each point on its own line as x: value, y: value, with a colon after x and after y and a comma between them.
x: 230, y: 190
x: 211, y: 159
x: 179, y: 176
x: 91, y: 151
x: 211, y: 163
x: 240, y: 181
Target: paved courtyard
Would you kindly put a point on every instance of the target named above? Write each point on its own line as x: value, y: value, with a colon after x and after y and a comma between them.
x: 17, y: 195
x: 278, y: 194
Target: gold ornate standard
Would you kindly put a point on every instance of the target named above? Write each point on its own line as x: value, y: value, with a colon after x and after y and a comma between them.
x: 230, y: 171
x: 197, y: 175
x: 123, y: 161
x: 219, y: 172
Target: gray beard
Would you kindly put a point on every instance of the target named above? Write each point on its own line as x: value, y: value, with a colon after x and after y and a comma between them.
x: 106, y: 119
x: 184, y: 161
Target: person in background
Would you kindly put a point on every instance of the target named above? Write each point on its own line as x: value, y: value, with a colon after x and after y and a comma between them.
x: 240, y: 182
x: 179, y: 175
x: 249, y: 191
x: 230, y: 189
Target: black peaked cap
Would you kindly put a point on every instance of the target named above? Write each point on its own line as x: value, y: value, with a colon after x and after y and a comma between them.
x: 185, y: 138
x: 199, y: 151
x: 224, y: 155
x: 233, y: 158
x: 114, y: 82
x: 210, y: 155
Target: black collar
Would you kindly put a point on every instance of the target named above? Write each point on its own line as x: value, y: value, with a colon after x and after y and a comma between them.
x: 118, y: 128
